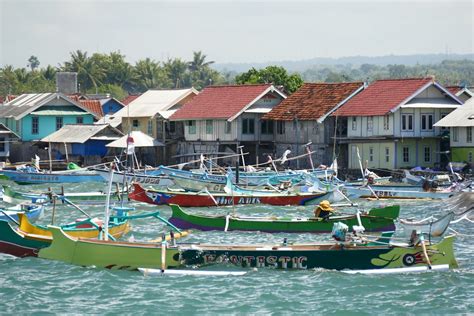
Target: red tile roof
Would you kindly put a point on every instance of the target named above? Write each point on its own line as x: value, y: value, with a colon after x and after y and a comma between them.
x: 454, y: 89
x: 7, y: 98
x: 93, y: 106
x: 312, y: 101
x: 130, y: 98
x: 381, y: 96
x: 219, y: 102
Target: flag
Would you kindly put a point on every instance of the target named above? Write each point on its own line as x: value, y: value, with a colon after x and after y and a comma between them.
x: 130, y: 145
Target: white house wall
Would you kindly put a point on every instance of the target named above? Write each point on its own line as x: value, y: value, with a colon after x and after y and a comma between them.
x: 462, y: 137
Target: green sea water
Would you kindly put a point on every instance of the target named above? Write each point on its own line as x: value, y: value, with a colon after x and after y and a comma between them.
x: 32, y: 285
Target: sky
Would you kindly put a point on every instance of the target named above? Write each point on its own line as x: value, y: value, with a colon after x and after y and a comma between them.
x: 232, y: 31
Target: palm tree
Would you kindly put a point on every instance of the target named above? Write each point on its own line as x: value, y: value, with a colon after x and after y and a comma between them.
x: 198, y: 62
x: 88, y: 72
x: 148, y: 74
x: 176, y: 71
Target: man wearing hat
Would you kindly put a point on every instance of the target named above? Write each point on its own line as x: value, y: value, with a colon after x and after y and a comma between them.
x: 323, y: 210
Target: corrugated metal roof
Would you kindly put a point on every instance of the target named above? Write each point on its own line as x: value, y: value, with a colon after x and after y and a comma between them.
x: 462, y: 116
x: 79, y: 133
x: 27, y: 103
x: 58, y: 112
x: 153, y: 101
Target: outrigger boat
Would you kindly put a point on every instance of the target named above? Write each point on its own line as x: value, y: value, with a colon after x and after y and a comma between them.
x: 379, y: 219
x: 31, y: 211
x: 375, y: 255
x: 37, y: 177
x: 26, y: 239
x: 396, y: 192
x: 13, y: 197
x: 206, y: 198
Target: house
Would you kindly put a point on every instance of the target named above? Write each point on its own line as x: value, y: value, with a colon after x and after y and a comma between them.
x: 7, y: 136
x: 305, y: 116
x: 35, y: 116
x: 461, y: 123
x: 462, y: 92
x: 149, y: 113
x: 391, y: 123
x: 221, y: 118
x: 82, y: 142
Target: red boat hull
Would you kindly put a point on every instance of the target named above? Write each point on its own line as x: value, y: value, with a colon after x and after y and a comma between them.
x: 218, y: 199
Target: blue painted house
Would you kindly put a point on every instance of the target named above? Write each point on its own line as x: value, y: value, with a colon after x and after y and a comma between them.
x: 35, y: 116
x: 111, y: 105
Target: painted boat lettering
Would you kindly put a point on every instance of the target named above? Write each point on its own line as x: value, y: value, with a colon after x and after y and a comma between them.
x: 385, y: 193
x: 283, y: 262
x: 222, y: 200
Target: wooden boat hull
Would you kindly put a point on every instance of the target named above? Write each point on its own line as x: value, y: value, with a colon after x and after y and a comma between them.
x: 121, y: 177
x: 198, y: 199
x: 89, y: 198
x: 329, y: 256
x: 28, y: 239
x: 107, y: 254
x: 377, y: 220
x: 395, y: 193
x: 39, y: 178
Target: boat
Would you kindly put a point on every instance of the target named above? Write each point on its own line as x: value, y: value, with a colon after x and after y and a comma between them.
x: 396, y: 193
x: 334, y: 255
x: 109, y: 254
x: 206, y: 198
x: 90, y: 198
x: 433, y: 227
x: 136, y: 176
x: 37, y: 177
x: 32, y: 211
x: 26, y: 239
x: 378, y: 219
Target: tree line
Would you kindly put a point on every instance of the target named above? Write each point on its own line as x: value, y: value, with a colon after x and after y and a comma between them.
x: 111, y: 73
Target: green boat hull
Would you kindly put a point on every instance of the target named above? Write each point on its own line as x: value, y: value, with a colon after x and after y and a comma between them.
x: 381, y: 219
x: 107, y: 254
x: 334, y: 257
x: 13, y: 243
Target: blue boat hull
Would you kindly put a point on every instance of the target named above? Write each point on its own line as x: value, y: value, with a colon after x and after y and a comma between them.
x: 39, y: 178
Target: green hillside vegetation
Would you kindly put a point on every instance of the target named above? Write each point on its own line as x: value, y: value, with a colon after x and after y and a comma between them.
x: 111, y: 73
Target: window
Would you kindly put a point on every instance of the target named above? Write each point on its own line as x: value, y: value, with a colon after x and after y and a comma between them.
x: 34, y: 125
x: 59, y: 122
x: 266, y: 127
x: 354, y: 123
x: 228, y: 127
x: 370, y: 123
x: 135, y: 124
x: 315, y: 128
x: 79, y: 120
x: 371, y: 154
x: 407, y: 122
x: 149, y: 129
x: 469, y: 156
x: 455, y: 134
x: 2, y: 144
x: 406, y: 154
x: 172, y: 127
x: 426, y: 122
x: 248, y: 126
x: 387, y: 154
x: 386, y: 122
x: 469, y: 134
x: 427, y: 154
x: 192, y: 127
x: 208, y: 126
x: 281, y: 127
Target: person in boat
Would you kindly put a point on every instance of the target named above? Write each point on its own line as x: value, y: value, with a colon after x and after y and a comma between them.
x: 323, y: 210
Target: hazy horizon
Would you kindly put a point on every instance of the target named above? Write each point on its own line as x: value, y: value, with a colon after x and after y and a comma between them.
x: 232, y: 32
